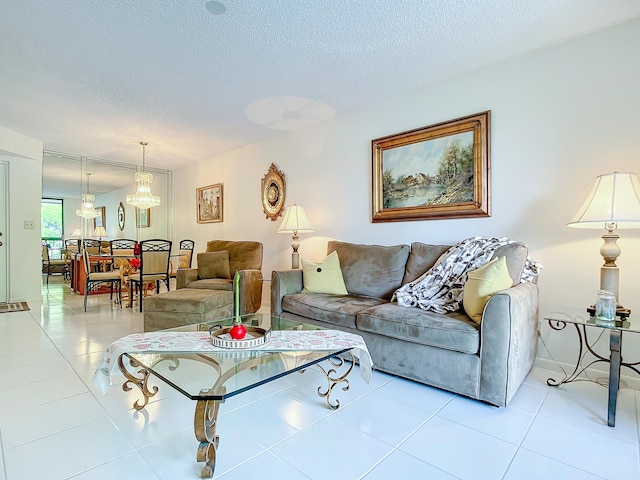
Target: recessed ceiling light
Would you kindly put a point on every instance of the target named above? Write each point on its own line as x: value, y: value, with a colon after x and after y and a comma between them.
x: 215, y: 8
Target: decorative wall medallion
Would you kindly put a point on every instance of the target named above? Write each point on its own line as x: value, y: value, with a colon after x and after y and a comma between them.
x: 121, y: 216
x: 273, y: 192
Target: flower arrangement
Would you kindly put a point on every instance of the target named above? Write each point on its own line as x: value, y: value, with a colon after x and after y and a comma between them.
x: 135, y: 262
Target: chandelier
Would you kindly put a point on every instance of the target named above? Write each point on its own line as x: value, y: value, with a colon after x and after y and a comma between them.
x: 143, y: 197
x: 86, y: 209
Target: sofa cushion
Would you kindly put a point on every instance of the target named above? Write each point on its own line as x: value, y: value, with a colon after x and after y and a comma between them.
x: 481, y: 284
x: 516, y: 256
x: 371, y: 270
x: 421, y: 258
x: 323, y: 277
x: 453, y: 331
x: 213, y: 265
x: 334, y: 309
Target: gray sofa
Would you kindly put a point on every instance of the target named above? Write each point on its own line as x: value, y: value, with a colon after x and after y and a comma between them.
x: 486, y: 361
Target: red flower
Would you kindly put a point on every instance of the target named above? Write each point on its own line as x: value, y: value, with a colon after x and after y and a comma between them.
x: 135, y: 262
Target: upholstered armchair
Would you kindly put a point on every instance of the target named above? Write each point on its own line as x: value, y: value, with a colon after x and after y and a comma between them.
x: 218, y: 265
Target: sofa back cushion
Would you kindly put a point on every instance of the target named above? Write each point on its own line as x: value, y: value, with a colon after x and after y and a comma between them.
x: 422, y: 257
x: 371, y: 270
x: 516, y: 256
x: 243, y: 255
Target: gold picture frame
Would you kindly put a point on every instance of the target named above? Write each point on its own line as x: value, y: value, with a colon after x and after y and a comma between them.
x: 273, y: 193
x: 100, y: 220
x: 435, y: 172
x: 143, y: 217
x: 121, y: 216
x: 210, y: 203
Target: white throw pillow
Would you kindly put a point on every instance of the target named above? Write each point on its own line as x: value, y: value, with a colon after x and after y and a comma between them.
x: 323, y: 277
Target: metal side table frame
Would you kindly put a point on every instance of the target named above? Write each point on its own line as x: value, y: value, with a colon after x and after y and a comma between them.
x: 558, y: 321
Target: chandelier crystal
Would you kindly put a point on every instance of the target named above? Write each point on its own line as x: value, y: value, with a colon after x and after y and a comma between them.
x: 143, y: 198
x: 86, y: 209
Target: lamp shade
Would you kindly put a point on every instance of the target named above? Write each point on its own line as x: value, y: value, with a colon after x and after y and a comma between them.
x: 295, y: 221
x: 614, y: 202
x: 100, y: 232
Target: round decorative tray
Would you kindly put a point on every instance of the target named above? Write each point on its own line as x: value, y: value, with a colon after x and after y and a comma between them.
x: 255, y: 337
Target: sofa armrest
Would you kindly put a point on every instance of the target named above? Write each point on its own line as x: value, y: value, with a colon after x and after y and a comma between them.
x: 283, y: 283
x: 250, y: 289
x: 509, y: 339
x: 184, y: 276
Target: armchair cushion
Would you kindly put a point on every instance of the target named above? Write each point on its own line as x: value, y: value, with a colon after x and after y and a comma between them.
x: 243, y: 255
x: 213, y: 265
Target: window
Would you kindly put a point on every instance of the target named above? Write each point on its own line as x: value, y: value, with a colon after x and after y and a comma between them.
x: 52, y: 225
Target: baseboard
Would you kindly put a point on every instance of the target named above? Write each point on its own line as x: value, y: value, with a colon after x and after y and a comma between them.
x: 631, y: 381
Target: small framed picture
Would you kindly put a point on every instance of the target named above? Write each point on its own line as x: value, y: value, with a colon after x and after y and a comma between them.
x: 209, y: 203
x: 143, y: 217
x: 100, y: 220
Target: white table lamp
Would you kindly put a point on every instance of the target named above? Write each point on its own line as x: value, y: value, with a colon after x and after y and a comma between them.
x: 100, y: 232
x: 295, y: 221
x: 613, y: 203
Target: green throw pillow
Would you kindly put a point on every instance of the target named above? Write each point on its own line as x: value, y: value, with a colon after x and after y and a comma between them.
x: 214, y: 264
x: 323, y: 277
x: 491, y: 278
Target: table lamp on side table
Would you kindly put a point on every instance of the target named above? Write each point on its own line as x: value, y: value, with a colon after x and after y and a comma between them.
x: 100, y: 232
x: 295, y: 221
x: 613, y: 203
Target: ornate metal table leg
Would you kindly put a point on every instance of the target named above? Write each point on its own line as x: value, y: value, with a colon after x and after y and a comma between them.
x: 204, y: 425
x: 615, y: 341
x: 140, y: 382
x: 333, y: 378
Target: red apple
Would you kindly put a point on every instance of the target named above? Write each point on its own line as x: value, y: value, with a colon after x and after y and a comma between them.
x: 238, y: 331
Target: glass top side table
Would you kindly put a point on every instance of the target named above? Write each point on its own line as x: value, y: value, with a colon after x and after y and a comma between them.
x: 582, y: 322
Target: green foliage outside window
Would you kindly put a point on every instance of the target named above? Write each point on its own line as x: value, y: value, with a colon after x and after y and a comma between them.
x: 52, y: 225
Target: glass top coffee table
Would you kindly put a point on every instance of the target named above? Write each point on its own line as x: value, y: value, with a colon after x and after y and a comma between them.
x: 211, y: 377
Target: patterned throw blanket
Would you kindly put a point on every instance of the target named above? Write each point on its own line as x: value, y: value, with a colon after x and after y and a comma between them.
x: 440, y: 289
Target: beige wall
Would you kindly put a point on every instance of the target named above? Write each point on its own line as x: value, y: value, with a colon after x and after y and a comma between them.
x: 560, y: 116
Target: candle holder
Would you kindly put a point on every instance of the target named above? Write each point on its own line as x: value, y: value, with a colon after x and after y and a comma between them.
x: 238, y: 331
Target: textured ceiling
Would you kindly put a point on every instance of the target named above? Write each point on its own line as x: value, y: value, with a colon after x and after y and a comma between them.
x: 95, y: 78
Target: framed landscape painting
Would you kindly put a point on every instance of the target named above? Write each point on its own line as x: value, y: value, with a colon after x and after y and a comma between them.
x: 435, y: 172
x: 209, y: 203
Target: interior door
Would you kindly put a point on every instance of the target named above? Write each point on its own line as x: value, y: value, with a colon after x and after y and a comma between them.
x: 4, y: 209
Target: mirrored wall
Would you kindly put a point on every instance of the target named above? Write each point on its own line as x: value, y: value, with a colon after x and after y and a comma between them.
x: 64, y: 177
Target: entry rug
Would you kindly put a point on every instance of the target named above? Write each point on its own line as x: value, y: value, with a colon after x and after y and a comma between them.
x: 280, y: 341
x: 14, y: 307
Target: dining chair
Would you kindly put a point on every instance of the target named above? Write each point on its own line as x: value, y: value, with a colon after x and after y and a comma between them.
x: 185, y: 256
x: 93, y: 248
x: 154, y: 266
x: 94, y: 279
x: 72, y: 245
x: 50, y: 266
x: 121, y: 247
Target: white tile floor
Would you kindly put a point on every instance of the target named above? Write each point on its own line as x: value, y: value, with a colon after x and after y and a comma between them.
x: 55, y: 425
